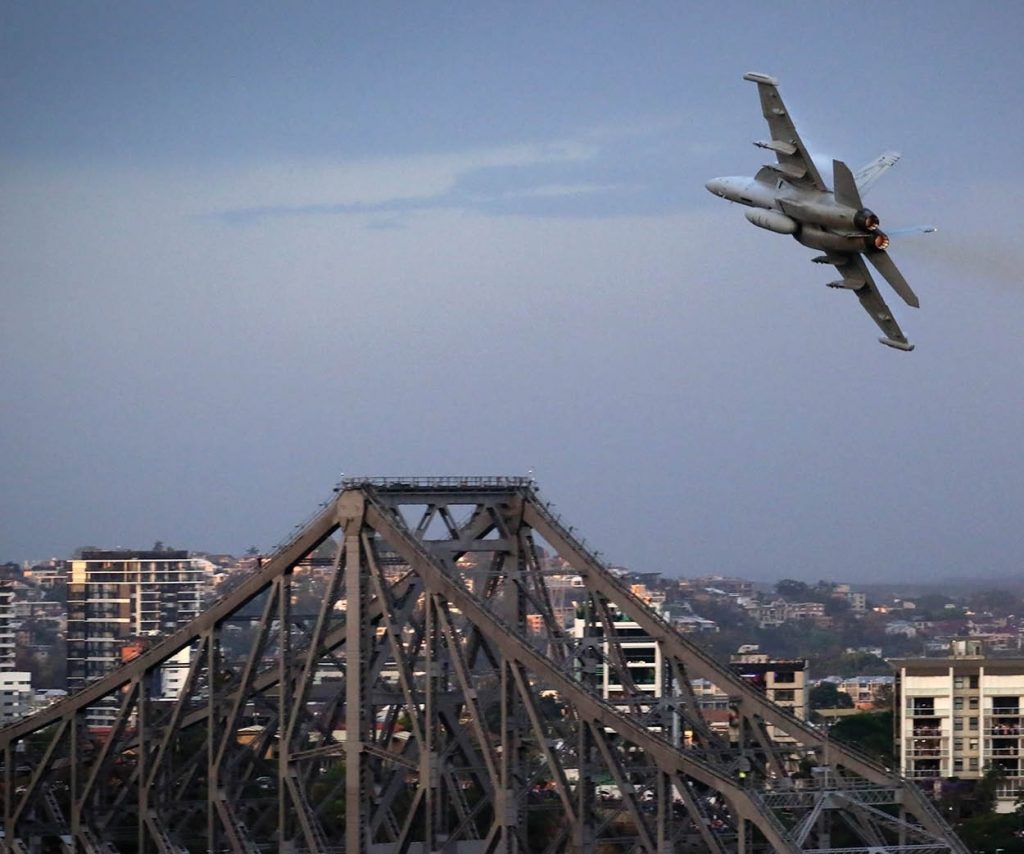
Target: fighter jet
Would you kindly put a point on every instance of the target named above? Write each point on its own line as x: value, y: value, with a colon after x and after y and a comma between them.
x: 790, y: 197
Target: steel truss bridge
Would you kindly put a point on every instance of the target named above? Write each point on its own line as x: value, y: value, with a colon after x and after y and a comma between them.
x: 433, y: 702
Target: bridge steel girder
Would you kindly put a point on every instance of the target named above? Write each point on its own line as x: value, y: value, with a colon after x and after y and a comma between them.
x: 433, y: 700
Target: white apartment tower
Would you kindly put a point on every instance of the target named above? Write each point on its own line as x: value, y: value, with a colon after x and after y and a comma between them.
x: 6, y: 621
x: 959, y: 715
x: 15, y: 685
x: 641, y: 652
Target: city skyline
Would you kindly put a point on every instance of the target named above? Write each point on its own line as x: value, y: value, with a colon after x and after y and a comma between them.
x: 246, y: 251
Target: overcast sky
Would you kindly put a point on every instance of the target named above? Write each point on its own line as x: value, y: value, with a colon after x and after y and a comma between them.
x: 247, y: 247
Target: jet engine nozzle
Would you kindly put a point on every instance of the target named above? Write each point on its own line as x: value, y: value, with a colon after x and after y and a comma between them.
x: 866, y: 220
x: 880, y: 240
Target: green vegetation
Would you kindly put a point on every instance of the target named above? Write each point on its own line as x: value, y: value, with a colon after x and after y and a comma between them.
x: 991, y: 833
x: 868, y: 732
x: 828, y: 696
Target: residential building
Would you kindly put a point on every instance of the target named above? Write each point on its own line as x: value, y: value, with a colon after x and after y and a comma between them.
x: 959, y: 715
x: 779, y: 612
x: 47, y: 575
x: 867, y: 692
x: 726, y: 586
x: 15, y: 694
x: 641, y: 651
x: 119, y: 600
x: 901, y: 627
x: 783, y: 680
x: 7, y: 620
x: 858, y: 601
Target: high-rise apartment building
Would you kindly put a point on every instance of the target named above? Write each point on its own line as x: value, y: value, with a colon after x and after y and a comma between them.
x: 7, y: 578
x: 120, y: 598
x: 783, y: 680
x: 960, y: 715
x: 641, y: 653
x: 15, y: 685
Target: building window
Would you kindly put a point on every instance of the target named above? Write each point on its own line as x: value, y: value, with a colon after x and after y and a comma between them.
x: 785, y: 676
x: 972, y: 744
x: 958, y: 744
x: 784, y: 695
x: 958, y: 765
x: 958, y: 704
x: 972, y: 723
x: 972, y: 682
x: 958, y: 724
x: 972, y: 763
x: 972, y: 703
x: 959, y: 682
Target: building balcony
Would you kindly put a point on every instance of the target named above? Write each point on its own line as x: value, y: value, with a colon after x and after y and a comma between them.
x: 926, y: 732
x: 1003, y: 729
x: 923, y: 713
x: 928, y: 753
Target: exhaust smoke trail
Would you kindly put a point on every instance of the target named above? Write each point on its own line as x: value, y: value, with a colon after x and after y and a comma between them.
x: 979, y: 258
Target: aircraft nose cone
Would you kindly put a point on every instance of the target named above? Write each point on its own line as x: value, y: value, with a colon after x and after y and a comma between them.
x: 715, y: 186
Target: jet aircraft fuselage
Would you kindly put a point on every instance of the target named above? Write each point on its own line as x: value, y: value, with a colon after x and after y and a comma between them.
x: 813, y: 217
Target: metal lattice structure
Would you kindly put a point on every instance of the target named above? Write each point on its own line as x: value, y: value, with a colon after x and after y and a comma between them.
x: 434, y: 702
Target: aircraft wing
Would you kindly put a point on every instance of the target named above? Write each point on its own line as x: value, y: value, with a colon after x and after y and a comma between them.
x: 855, y: 277
x: 795, y: 164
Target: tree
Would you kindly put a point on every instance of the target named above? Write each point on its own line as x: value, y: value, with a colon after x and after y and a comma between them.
x: 984, y: 794
x: 850, y: 664
x: 791, y: 589
x: 828, y: 696
x: 870, y: 732
x: 836, y: 607
x: 992, y: 832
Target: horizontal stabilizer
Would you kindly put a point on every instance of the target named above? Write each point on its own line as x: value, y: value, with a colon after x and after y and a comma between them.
x: 849, y: 284
x: 884, y: 264
x: 905, y: 346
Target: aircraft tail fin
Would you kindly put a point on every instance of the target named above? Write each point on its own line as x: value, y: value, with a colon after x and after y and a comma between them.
x: 867, y: 175
x: 846, y: 191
